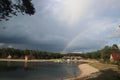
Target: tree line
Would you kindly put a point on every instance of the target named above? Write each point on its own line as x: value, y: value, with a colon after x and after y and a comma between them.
x: 32, y: 54
x: 36, y: 54
x: 103, y: 53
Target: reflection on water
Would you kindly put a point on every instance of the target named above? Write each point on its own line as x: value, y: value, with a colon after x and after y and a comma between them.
x: 37, y: 71
x: 25, y: 65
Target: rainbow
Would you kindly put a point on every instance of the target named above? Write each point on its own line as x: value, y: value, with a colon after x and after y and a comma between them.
x: 74, y: 39
x: 70, y: 43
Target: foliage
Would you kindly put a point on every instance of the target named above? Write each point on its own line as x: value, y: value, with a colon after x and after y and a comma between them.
x: 13, y: 7
x: 103, y: 53
x: 92, y: 55
x: 33, y: 54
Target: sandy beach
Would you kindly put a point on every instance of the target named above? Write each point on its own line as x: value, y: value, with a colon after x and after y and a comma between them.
x: 87, y: 71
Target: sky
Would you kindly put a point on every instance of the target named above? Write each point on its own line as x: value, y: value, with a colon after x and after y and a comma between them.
x: 64, y: 26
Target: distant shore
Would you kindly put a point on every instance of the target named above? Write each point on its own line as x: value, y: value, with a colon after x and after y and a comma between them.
x: 23, y: 60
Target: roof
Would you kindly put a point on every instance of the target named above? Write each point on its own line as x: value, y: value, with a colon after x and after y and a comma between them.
x: 116, y: 56
x: 71, y: 57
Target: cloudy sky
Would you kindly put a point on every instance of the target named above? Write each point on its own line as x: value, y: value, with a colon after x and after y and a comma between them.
x: 64, y: 26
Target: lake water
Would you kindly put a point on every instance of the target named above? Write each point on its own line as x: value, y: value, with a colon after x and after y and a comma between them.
x: 38, y: 71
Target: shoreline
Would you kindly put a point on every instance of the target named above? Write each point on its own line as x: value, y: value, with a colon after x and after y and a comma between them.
x: 23, y: 60
x: 86, y: 71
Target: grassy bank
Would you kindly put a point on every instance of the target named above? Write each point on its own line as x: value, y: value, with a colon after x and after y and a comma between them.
x: 108, y: 71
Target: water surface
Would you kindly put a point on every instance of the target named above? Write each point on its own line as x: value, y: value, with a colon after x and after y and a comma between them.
x: 37, y: 71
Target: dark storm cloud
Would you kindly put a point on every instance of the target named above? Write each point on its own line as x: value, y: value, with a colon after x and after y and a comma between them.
x: 31, y: 36
x: 18, y: 40
x: 47, y: 47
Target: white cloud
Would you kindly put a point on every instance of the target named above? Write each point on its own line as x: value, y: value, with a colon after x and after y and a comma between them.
x: 115, y: 33
x: 10, y: 46
x: 70, y: 11
x: 119, y: 46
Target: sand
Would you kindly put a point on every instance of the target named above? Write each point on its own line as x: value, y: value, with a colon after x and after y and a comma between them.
x: 87, y: 71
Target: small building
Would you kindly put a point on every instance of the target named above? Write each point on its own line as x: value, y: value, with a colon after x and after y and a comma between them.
x: 26, y: 57
x: 72, y: 57
x: 115, y: 57
x: 9, y: 56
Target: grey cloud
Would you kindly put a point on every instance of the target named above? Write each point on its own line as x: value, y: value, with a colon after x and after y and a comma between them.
x: 86, y: 44
x: 14, y: 39
x: 42, y: 31
x: 115, y: 34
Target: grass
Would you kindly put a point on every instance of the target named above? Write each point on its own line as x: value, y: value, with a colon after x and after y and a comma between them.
x: 103, y: 66
x: 108, y: 71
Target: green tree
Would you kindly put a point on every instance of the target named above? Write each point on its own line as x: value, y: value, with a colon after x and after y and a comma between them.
x: 115, y: 48
x: 10, y: 7
x: 106, y: 52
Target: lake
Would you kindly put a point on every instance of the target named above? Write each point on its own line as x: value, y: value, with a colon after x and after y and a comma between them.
x: 38, y: 71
